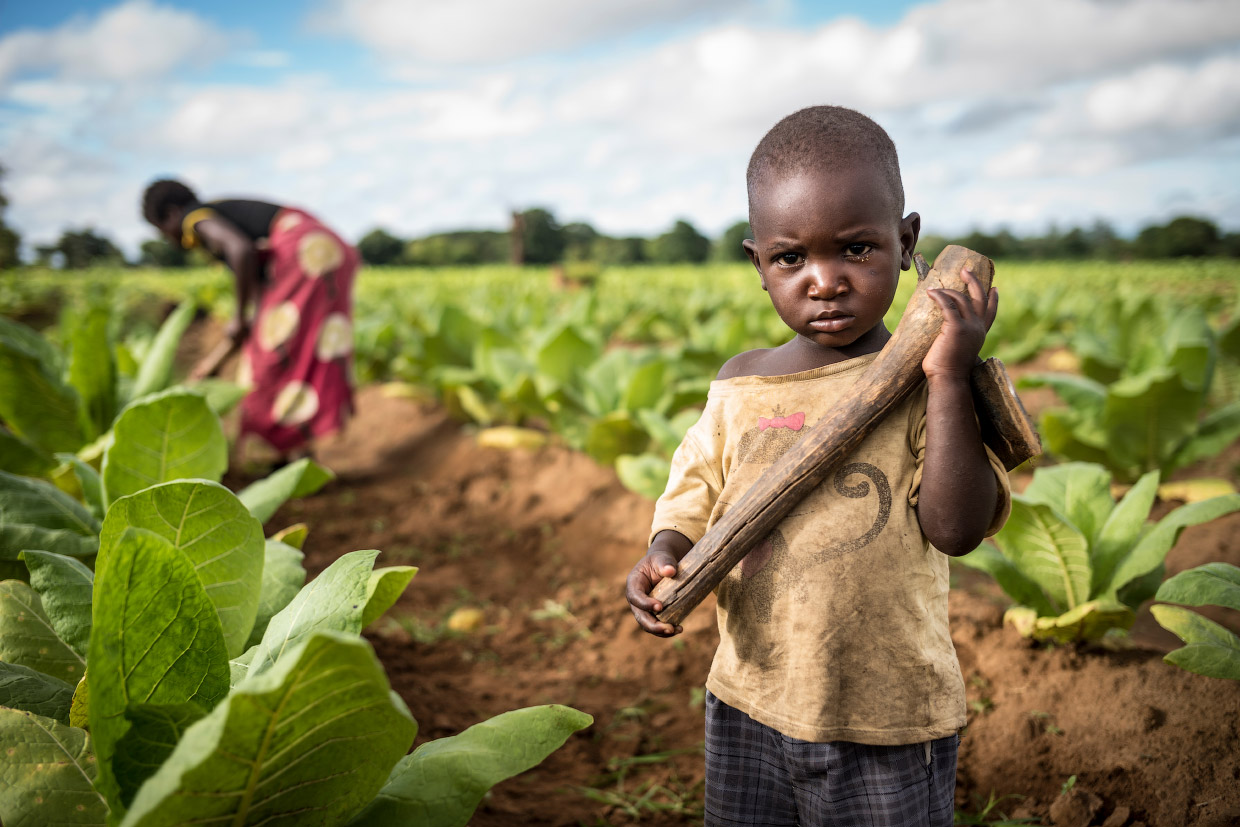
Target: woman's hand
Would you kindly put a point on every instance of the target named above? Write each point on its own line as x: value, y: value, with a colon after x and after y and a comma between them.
x: 237, y: 331
x: 966, y: 318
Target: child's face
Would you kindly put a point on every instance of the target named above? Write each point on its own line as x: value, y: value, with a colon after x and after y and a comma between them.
x: 829, y: 246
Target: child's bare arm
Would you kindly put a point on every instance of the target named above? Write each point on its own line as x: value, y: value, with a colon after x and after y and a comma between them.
x: 958, y: 492
x: 660, y: 561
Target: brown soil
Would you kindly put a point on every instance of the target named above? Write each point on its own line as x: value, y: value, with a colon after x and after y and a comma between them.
x: 541, y: 541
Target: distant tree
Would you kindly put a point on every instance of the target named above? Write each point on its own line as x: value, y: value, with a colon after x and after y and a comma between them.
x: 1184, y: 236
x: 729, y: 246
x: 10, y: 239
x: 379, y: 247
x: 159, y: 252
x: 542, y: 237
x: 682, y: 244
x: 79, y: 249
x: 619, y: 252
x: 579, y: 240
x: 458, y: 249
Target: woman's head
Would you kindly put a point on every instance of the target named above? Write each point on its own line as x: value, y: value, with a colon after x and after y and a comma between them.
x: 164, y: 204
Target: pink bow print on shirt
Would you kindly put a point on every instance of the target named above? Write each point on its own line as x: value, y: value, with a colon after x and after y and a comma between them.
x: 793, y: 422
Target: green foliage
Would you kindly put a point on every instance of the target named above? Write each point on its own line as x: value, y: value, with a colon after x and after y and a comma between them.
x: 1140, y: 403
x: 1076, y: 563
x: 167, y: 436
x: 56, y: 403
x: 729, y: 248
x: 1210, y: 648
x: 441, y: 782
x: 682, y: 244
x: 79, y: 249
x: 379, y: 247
x: 163, y: 728
x: 160, y: 252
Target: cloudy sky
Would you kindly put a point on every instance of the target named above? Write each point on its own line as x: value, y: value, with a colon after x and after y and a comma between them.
x: 443, y: 114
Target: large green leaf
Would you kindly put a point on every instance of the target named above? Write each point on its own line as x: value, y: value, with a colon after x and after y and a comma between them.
x: 92, y: 370
x: 1146, y: 418
x: 46, y: 775
x: 333, y: 601
x: 566, y: 354
x: 152, y: 736
x: 18, y: 456
x: 1080, y: 491
x: 165, y: 437
x: 221, y: 539
x: 283, y: 577
x: 1212, y: 584
x: 28, y: 639
x: 645, y: 386
x: 28, y: 689
x: 156, y: 369
x: 309, y: 742
x: 35, y: 403
x: 441, y: 783
x: 613, y: 435
x: 1210, y: 649
x: 1015, y: 585
x: 65, y: 587
x: 1214, y: 433
x: 1151, y: 549
x: 25, y: 501
x: 297, y: 479
x: 89, y: 482
x: 1048, y: 551
x: 1122, y: 529
x: 644, y: 474
x: 384, y: 588
x: 155, y: 639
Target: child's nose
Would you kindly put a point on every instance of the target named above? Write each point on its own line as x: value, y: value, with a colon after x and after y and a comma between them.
x: 825, y: 281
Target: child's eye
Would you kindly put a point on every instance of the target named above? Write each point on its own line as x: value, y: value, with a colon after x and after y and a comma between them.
x: 858, y: 250
x: 788, y: 259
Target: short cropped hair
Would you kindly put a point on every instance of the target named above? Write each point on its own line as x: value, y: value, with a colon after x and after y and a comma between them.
x: 824, y: 137
x: 162, y: 196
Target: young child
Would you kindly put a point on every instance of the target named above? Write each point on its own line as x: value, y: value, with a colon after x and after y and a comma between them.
x: 835, y: 696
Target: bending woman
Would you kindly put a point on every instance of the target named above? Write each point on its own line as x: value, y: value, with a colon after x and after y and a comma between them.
x: 297, y: 351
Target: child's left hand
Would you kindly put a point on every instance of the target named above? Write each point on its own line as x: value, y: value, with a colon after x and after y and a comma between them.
x: 966, y: 318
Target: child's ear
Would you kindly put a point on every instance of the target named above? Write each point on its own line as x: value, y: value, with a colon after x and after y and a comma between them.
x: 910, y: 229
x: 751, y: 250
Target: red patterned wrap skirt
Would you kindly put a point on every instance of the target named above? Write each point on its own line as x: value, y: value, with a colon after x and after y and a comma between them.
x: 298, y: 359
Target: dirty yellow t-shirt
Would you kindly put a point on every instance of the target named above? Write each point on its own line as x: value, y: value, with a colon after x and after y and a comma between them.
x: 835, y: 628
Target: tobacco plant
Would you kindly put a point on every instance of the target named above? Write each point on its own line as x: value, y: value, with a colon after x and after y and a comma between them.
x: 166, y: 665
x: 1078, y: 564
x: 1141, y: 401
x: 1210, y: 648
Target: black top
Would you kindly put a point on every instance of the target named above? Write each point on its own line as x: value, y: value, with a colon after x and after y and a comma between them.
x: 252, y: 218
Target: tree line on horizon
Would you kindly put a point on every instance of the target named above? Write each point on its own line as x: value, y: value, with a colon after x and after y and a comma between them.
x: 536, y: 237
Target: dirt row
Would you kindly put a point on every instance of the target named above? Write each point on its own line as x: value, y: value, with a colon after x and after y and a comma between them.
x: 540, y: 541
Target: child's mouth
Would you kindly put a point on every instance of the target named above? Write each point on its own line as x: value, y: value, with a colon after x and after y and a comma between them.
x: 831, y: 324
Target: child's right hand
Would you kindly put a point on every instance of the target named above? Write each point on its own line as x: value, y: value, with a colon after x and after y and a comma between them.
x: 657, y: 564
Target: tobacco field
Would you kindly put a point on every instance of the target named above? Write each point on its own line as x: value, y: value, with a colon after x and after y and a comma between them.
x: 426, y: 624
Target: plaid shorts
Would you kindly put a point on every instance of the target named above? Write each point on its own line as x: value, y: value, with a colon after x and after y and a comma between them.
x: 757, y: 777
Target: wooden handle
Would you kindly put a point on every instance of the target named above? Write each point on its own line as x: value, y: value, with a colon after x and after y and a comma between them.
x: 884, y: 384
x: 210, y: 364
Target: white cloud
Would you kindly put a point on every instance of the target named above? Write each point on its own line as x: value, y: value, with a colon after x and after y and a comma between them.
x: 492, y: 31
x: 1004, y: 113
x: 136, y: 40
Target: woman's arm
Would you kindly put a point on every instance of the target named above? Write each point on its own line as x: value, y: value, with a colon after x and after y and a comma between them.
x: 959, y: 492
x: 239, y: 253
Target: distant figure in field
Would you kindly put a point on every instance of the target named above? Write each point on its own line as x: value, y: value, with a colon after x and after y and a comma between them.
x: 297, y: 275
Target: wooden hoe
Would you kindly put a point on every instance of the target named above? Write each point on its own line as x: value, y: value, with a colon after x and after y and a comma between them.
x: 888, y: 380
